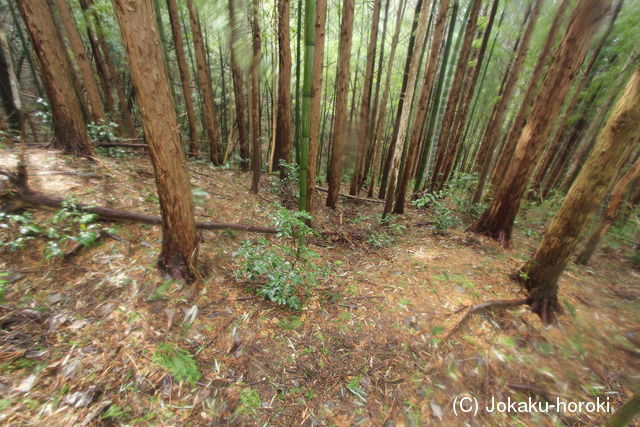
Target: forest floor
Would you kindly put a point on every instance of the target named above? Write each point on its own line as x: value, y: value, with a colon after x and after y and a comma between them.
x: 79, y: 337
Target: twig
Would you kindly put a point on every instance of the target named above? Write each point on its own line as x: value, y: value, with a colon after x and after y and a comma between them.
x: 349, y: 196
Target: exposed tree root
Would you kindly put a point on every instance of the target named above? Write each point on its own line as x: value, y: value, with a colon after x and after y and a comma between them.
x: 483, y: 306
x: 35, y: 198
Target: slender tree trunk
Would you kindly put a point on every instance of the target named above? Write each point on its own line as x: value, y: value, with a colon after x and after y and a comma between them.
x: 410, y: 52
x: 497, y: 221
x: 510, y: 142
x: 406, y: 109
x: 342, y: 87
x: 378, y: 134
x: 297, y: 118
x: 206, y: 89
x: 142, y: 44
x: 446, y: 151
x: 185, y: 75
x: 622, y: 129
x: 316, y: 92
x: 556, y: 144
x: 365, y: 101
x: 90, y: 85
x: 610, y: 214
x: 305, y: 119
x: 68, y: 123
x: 492, y: 131
x: 436, y: 103
x: 283, y: 121
x: 423, y: 103
x: 26, y: 50
x: 238, y: 89
x: 9, y: 90
x: 256, y: 149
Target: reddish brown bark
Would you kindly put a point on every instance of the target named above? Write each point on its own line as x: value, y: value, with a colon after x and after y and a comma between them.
x: 497, y: 221
x: 254, y: 100
x: 137, y: 24
x: 238, y: 89
x: 282, y: 149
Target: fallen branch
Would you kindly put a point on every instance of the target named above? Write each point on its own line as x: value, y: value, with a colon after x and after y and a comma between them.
x: 500, y: 303
x: 120, y: 144
x: 36, y: 198
x: 349, y: 196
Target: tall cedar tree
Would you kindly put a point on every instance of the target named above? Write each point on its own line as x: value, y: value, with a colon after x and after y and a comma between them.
x: 365, y: 100
x: 497, y: 221
x: 68, y: 123
x: 283, y: 121
x: 496, y: 120
x: 511, y: 140
x: 423, y: 102
x: 540, y: 275
x: 254, y: 99
x: 238, y: 88
x: 9, y: 90
x: 206, y: 89
x: 342, y: 86
x: 378, y: 134
x: 142, y: 43
x: 316, y: 90
x: 403, y: 126
x: 185, y: 75
x: 80, y: 55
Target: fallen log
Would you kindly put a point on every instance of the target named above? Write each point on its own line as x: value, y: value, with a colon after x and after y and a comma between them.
x: 349, y: 196
x: 120, y: 144
x: 36, y: 198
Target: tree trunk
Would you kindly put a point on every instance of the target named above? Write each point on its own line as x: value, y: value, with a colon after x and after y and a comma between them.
x: 68, y: 123
x: 378, y: 134
x: 410, y: 52
x: 423, y: 103
x: 9, y: 90
x: 406, y: 109
x: 610, y: 214
x: 497, y: 221
x: 238, y: 89
x: 492, y: 131
x: 142, y: 44
x: 365, y: 101
x: 256, y: 149
x: 622, y: 129
x: 90, y: 85
x: 185, y: 75
x: 445, y: 150
x: 342, y: 87
x: 283, y: 121
x: 206, y: 89
x: 510, y: 142
x: 316, y: 91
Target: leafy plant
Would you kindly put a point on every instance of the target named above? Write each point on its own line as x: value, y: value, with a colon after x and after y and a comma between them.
x: 180, y: 363
x: 250, y: 401
x: 286, y: 271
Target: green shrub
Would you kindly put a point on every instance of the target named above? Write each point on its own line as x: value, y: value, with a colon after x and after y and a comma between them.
x: 285, y: 272
x: 180, y: 363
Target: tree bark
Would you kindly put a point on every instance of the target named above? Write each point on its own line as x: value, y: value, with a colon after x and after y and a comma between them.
x: 238, y: 89
x: 378, y: 134
x: 622, y: 129
x: 445, y: 150
x: 185, y: 75
x: 206, y: 89
x: 342, y: 87
x: 423, y: 104
x: 406, y: 109
x: 497, y: 221
x: 316, y: 92
x: 68, y: 124
x: 283, y: 121
x: 492, y: 131
x: 365, y: 101
x: 510, y: 142
x: 610, y: 214
x: 142, y: 44
x: 77, y: 47
x: 9, y: 90
x: 256, y: 149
